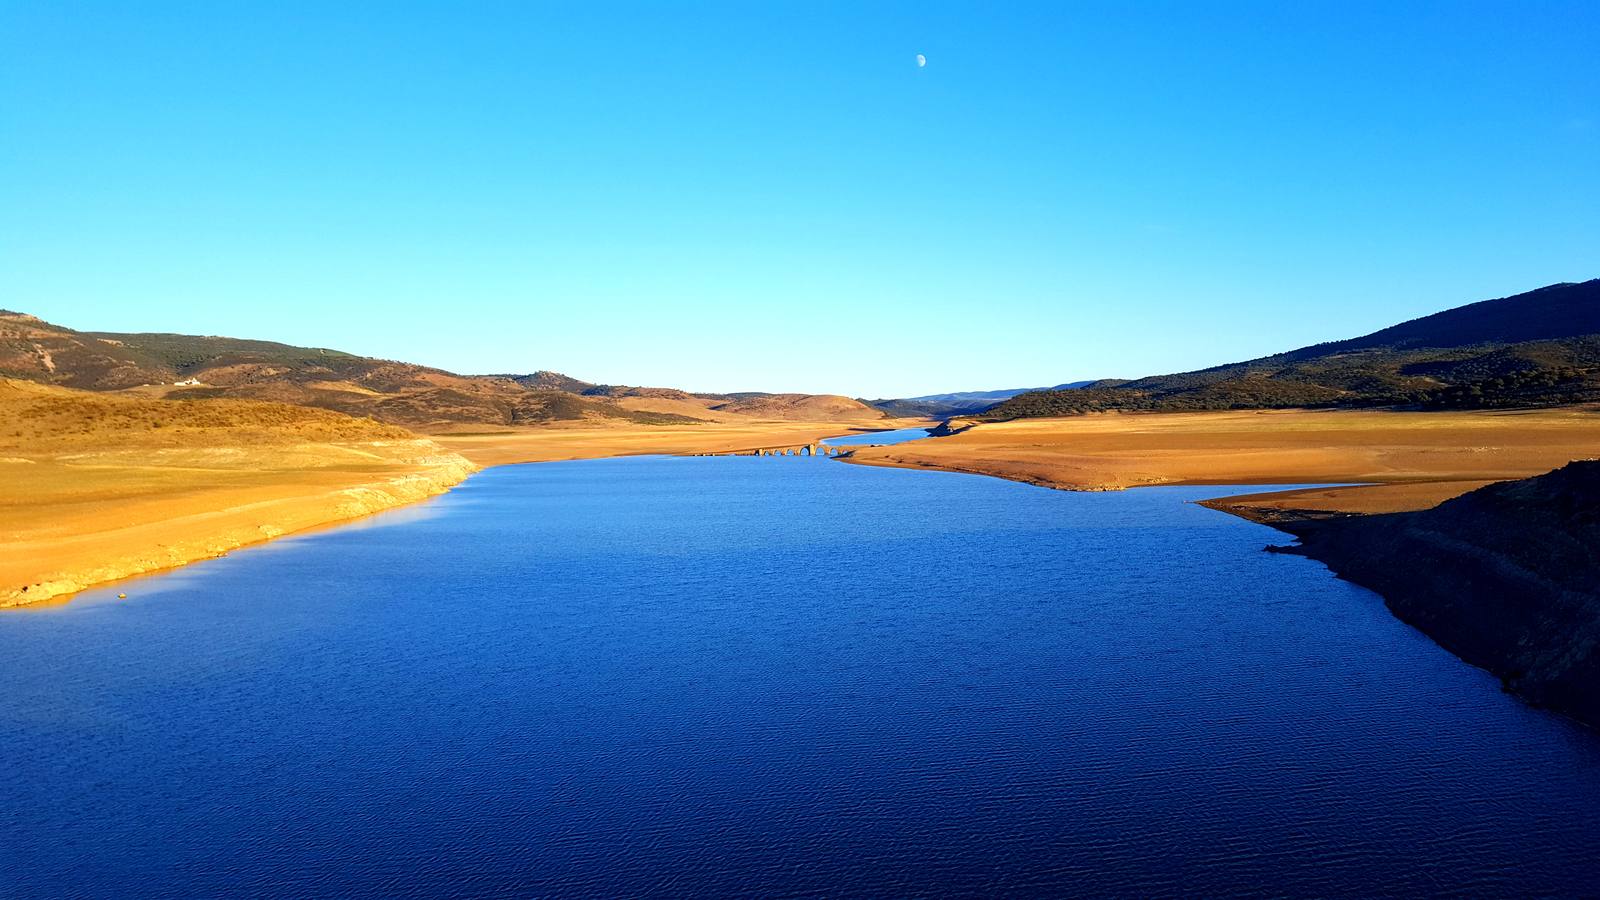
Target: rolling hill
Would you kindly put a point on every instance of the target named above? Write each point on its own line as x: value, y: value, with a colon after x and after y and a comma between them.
x: 44, y: 415
x: 801, y: 407
x: 194, y: 367
x: 1539, y: 348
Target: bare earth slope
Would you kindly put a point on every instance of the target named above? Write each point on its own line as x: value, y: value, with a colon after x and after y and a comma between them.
x: 1507, y: 577
x: 102, y: 486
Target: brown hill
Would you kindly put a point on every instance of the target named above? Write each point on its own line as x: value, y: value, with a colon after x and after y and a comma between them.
x: 802, y: 408
x: 56, y: 419
x: 194, y: 367
x: 202, y: 367
x: 42, y: 420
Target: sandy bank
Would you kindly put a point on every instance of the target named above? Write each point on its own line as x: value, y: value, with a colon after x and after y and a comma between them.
x: 81, y: 519
x: 95, y: 492
x: 100, y: 488
x: 1413, y: 460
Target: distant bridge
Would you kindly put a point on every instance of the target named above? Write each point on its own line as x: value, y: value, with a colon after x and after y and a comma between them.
x: 816, y: 449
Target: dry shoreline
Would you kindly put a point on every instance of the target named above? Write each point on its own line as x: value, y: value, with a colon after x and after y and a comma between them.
x: 90, y: 515
x: 118, y: 515
x: 87, y: 518
x: 1391, y: 461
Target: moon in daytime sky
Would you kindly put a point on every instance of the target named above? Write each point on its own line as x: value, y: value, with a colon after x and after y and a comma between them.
x: 921, y: 60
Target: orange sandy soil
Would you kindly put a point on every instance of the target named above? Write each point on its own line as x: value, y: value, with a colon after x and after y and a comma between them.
x: 100, y: 487
x: 95, y: 488
x: 587, y: 441
x: 1412, y: 460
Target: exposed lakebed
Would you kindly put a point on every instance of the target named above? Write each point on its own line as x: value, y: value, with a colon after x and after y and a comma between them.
x: 765, y: 675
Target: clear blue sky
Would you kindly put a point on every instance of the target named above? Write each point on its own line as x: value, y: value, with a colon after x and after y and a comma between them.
x: 774, y: 196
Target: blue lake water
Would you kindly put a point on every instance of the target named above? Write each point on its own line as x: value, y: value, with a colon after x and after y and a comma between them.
x: 771, y: 676
x: 893, y: 436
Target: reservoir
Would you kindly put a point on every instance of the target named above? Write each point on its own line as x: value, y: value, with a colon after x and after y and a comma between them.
x: 771, y: 676
x: 892, y: 436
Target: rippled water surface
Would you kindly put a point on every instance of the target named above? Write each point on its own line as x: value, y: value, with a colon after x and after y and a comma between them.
x: 771, y: 676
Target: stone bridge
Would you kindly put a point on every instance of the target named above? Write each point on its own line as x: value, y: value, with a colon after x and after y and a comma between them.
x: 817, y: 449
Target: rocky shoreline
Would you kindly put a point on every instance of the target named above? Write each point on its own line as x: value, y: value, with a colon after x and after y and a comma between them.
x: 1507, y: 577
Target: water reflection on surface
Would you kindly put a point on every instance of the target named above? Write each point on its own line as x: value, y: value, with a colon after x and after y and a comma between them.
x: 713, y: 676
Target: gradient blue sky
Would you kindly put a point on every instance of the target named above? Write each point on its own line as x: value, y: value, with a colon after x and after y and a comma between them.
x: 774, y: 196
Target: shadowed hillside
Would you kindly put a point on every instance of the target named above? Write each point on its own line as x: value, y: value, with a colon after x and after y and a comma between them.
x: 1541, y: 348
x: 1507, y: 577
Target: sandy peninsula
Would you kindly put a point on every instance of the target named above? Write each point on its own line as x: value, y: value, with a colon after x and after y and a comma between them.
x: 1406, y: 460
x: 99, y: 487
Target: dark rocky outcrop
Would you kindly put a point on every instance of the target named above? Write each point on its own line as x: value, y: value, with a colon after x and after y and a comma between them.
x: 1507, y: 577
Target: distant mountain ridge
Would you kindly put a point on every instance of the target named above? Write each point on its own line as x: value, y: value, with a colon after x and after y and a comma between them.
x: 195, y: 367
x: 959, y: 402
x: 1537, y: 348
